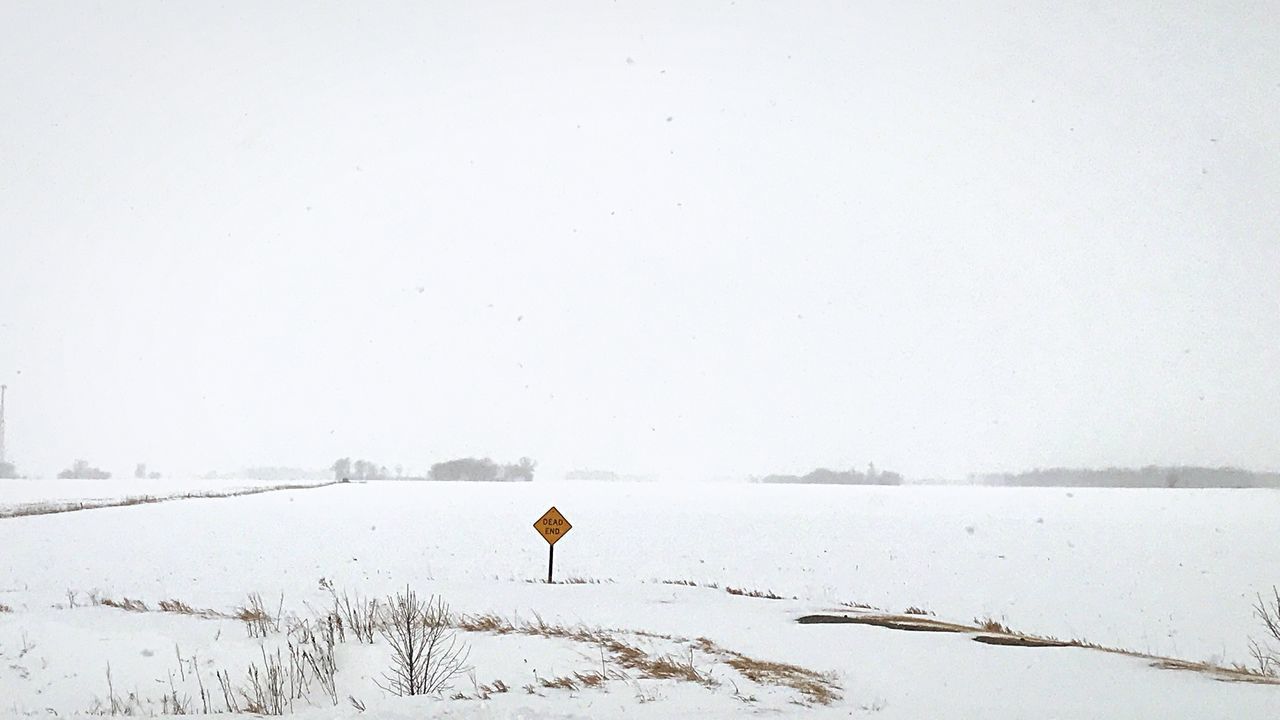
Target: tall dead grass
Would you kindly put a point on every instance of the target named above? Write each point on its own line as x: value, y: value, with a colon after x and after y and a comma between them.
x: 126, y: 604
x: 303, y: 666
x: 630, y: 661
x: 257, y: 621
x: 357, y: 614
x: 815, y: 687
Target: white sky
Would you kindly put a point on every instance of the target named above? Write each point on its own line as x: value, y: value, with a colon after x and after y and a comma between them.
x: 688, y: 238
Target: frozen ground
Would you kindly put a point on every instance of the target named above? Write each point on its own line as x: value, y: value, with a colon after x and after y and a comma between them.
x: 1166, y: 572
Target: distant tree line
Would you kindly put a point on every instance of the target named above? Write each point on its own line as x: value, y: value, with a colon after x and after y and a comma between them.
x: 140, y: 473
x: 345, y: 469
x: 8, y: 471
x: 1151, y: 476
x: 823, y: 476
x: 482, y: 470
x: 460, y: 470
x: 81, y: 470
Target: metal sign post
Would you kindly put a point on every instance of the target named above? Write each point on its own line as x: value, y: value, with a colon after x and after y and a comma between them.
x: 552, y: 526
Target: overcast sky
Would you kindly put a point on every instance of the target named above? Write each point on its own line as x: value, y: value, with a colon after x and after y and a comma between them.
x: 684, y: 238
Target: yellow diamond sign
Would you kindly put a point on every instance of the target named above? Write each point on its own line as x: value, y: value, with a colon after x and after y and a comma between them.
x: 552, y: 526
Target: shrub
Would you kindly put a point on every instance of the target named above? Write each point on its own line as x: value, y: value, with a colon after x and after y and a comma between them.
x: 426, y: 654
x: 1268, y: 611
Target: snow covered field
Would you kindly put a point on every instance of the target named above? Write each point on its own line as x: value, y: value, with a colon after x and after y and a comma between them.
x: 22, y: 493
x: 1166, y: 572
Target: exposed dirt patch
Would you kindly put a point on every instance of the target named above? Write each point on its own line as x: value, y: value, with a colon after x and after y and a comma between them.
x: 909, y: 623
x: 981, y: 632
x: 1019, y: 641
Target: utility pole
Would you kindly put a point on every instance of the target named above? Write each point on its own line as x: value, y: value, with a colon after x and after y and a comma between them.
x: 3, y: 388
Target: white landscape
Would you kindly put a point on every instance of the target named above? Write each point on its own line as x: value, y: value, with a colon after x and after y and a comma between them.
x: 1170, y: 573
x: 682, y: 270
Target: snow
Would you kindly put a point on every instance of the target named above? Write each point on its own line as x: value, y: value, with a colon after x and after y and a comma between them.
x: 1171, y: 572
x: 25, y: 492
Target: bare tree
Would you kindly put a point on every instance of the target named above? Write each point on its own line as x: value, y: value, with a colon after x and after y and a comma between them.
x: 341, y: 469
x: 1268, y: 611
x: 426, y: 654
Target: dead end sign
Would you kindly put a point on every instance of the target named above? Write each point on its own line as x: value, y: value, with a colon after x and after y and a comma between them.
x: 552, y: 526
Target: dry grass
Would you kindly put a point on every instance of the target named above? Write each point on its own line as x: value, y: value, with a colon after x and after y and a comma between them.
x: 560, y: 683
x: 485, y: 623
x: 179, y: 607
x: 128, y: 604
x: 815, y: 687
x: 634, y: 662
x: 172, y: 605
x: 359, y: 615
x: 497, y: 687
x: 992, y: 625
x: 53, y: 508
x: 913, y: 610
x: 252, y: 614
x: 765, y: 594
x: 691, y: 583
x: 574, y: 581
x: 641, y: 663
x: 592, y: 679
x: 176, y: 606
x: 1235, y: 673
x: 257, y: 621
x: 669, y: 667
